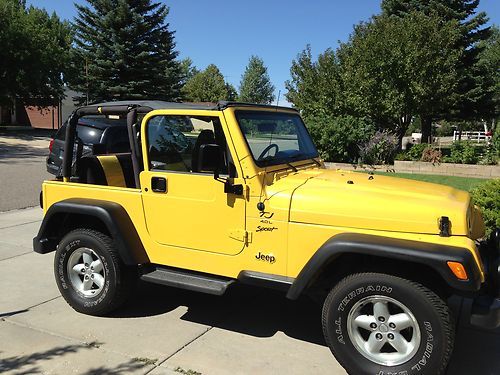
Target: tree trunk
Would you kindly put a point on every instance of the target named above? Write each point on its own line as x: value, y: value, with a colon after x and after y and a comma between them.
x: 426, y: 128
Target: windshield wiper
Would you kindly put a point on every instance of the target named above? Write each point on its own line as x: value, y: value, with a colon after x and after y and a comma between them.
x: 284, y: 161
x: 301, y: 155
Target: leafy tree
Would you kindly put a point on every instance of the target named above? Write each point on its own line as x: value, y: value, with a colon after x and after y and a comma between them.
x: 207, y: 86
x: 128, y: 51
x: 394, y: 68
x: 473, y: 96
x: 339, y: 138
x: 34, y: 53
x: 316, y: 87
x: 255, y: 85
x: 489, y: 60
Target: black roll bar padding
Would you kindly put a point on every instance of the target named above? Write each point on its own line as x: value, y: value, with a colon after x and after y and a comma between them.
x: 69, y: 142
x: 131, y: 120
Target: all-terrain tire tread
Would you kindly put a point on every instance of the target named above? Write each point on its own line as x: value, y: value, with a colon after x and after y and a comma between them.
x: 440, y: 306
x: 126, y: 276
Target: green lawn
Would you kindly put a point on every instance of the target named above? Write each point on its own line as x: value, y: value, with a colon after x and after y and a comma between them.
x: 462, y: 183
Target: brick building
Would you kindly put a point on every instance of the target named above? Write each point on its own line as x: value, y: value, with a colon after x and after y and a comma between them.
x: 44, y: 116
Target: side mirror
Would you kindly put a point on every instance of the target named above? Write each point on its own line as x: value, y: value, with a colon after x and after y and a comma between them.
x: 210, y: 159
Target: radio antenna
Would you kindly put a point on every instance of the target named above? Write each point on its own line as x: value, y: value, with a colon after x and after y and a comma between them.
x: 278, y: 100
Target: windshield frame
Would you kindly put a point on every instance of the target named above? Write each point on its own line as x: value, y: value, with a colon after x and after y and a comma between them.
x: 279, y: 161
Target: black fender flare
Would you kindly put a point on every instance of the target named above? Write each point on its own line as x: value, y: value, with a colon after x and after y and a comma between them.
x: 435, y: 256
x: 114, y: 217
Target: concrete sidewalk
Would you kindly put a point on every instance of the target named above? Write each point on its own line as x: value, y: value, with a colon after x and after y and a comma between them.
x: 168, y: 331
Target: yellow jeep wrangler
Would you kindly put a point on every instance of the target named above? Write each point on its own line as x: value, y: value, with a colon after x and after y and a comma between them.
x: 212, y: 195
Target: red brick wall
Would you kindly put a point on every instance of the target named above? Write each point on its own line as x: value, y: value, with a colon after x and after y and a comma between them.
x: 45, y: 117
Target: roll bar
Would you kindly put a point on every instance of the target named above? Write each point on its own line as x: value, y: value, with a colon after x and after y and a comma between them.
x: 131, y: 111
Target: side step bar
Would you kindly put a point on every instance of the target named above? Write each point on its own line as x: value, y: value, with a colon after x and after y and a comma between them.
x: 189, y: 280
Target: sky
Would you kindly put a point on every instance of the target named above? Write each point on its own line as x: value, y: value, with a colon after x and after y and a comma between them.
x: 227, y: 33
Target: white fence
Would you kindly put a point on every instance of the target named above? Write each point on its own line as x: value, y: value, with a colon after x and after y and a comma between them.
x: 476, y: 136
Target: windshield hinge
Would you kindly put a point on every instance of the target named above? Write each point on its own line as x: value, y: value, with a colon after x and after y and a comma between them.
x: 241, y: 235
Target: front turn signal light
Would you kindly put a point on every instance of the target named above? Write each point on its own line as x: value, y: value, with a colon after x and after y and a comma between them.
x: 458, y: 270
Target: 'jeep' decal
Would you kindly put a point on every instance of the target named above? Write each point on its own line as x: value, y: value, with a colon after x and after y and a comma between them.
x: 267, y: 258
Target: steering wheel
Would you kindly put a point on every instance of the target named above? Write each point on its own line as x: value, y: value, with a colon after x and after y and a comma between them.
x: 267, y: 149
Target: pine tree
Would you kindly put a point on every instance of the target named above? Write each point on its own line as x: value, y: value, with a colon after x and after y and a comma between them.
x: 255, y: 85
x: 125, y: 50
x: 474, y: 95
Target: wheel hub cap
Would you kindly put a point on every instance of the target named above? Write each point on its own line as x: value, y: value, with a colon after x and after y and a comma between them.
x: 86, y: 272
x: 383, y: 330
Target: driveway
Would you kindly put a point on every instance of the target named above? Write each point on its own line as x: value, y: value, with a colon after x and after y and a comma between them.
x: 167, y: 331
x: 22, y: 169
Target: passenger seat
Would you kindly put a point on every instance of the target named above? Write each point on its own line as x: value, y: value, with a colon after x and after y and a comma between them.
x: 110, y: 170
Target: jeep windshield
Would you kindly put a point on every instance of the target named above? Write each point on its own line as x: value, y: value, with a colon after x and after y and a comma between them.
x: 276, y: 137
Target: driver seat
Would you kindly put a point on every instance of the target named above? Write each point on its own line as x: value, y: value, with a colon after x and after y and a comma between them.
x: 206, y: 137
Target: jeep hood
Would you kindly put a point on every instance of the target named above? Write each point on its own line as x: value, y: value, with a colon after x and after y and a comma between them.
x: 359, y: 200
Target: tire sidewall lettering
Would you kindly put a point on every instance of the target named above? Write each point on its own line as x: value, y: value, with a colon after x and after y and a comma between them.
x: 349, y: 297
x: 63, y: 277
x: 424, y: 359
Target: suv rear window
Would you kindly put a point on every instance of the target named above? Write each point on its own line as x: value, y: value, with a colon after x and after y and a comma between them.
x: 88, y: 134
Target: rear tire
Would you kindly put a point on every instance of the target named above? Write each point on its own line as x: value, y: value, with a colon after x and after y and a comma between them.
x: 380, y: 324
x: 90, y: 274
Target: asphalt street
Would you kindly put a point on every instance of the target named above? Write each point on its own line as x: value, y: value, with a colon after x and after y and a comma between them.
x: 161, y: 330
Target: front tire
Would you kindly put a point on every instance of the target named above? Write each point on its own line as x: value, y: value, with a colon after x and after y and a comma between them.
x: 382, y: 324
x: 90, y: 274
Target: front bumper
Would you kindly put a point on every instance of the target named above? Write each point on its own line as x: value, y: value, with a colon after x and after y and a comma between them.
x: 486, y: 308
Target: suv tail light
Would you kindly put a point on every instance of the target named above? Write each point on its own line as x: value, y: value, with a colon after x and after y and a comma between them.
x: 51, y: 144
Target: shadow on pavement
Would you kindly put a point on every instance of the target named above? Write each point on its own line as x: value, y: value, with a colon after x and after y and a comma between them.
x: 132, y: 365
x: 17, y: 151
x: 476, y: 352
x: 26, y: 133
x: 262, y: 312
x: 252, y: 311
x: 29, y: 364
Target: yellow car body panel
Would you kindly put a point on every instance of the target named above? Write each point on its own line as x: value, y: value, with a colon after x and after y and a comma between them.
x: 196, y: 226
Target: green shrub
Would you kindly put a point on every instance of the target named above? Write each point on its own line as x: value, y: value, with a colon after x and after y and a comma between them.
x: 403, y: 156
x: 487, y: 196
x: 489, y: 156
x: 338, y: 138
x: 415, y: 151
x: 462, y: 152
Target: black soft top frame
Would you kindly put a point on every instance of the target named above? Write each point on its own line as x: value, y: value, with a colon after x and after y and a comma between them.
x: 131, y: 111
